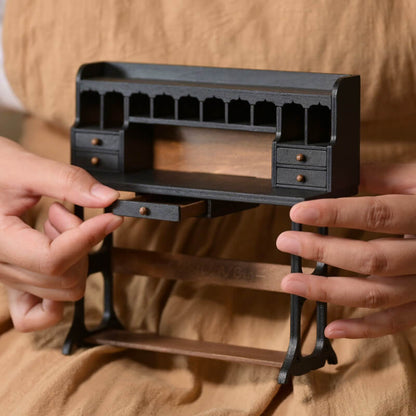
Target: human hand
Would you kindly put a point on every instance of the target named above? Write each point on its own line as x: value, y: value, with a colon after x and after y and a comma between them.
x: 388, y: 263
x: 42, y: 269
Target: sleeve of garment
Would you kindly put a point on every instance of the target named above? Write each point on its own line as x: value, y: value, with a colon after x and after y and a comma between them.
x: 7, y: 97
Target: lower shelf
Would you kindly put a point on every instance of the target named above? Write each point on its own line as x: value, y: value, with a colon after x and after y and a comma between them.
x: 213, y: 350
x: 257, y: 276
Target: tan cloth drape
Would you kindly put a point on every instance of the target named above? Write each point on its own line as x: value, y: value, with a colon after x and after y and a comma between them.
x: 45, y: 42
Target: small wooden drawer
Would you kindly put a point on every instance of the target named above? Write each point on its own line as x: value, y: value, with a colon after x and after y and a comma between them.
x: 301, y: 157
x: 97, y: 140
x: 160, y: 208
x: 301, y: 177
x: 96, y: 160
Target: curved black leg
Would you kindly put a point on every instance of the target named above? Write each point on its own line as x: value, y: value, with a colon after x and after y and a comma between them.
x: 296, y: 302
x: 99, y: 261
x: 323, y: 347
x: 295, y: 363
x: 110, y: 319
x: 78, y: 330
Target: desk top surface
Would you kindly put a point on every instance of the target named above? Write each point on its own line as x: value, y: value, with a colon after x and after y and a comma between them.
x: 210, y: 186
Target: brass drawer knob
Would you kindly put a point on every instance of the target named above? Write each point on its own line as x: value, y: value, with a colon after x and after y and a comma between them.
x: 143, y: 211
x: 300, y: 178
x: 95, y: 160
x: 95, y: 141
x: 300, y: 157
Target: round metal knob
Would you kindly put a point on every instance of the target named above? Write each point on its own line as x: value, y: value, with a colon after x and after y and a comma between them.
x: 95, y: 160
x: 300, y: 157
x: 300, y: 178
x: 95, y: 141
x: 143, y: 211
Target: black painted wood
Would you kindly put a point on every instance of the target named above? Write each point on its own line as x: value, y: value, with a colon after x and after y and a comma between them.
x: 315, y: 119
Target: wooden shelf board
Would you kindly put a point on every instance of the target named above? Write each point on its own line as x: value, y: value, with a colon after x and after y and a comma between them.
x: 212, y: 350
x: 224, y: 272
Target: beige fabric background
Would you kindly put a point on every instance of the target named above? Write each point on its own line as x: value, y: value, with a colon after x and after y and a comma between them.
x: 45, y: 42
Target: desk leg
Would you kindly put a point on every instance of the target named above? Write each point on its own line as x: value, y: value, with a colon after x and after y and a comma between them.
x: 295, y: 363
x: 293, y: 354
x: 102, y: 263
x: 78, y: 330
x: 323, y: 347
x: 99, y: 261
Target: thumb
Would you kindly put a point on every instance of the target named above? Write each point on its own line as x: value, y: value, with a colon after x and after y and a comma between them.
x: 30, y: 313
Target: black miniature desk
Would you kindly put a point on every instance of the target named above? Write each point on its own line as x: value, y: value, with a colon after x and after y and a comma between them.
x: 315, y: 154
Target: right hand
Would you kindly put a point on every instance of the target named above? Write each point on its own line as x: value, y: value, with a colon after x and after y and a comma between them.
x: 39, y: 269
x: 388, y: 263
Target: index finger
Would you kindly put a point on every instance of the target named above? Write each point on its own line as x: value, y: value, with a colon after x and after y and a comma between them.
x: 37, y: 176
x: 392, y: 214
x: 66, y: 183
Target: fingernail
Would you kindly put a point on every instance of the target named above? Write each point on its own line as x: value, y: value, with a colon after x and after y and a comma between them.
x: 304, y: 214
x: 288, y: 244
x: 113, y: 224
x: 334, y: 333
x: 296, y: 287
x: 104, y: 192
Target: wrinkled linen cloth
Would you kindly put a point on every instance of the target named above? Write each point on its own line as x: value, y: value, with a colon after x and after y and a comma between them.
x: 45, y: 42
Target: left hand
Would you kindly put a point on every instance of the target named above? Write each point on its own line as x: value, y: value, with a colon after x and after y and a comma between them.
x: 388, y: 263
x: 40, y: 270
x: 30, y: 312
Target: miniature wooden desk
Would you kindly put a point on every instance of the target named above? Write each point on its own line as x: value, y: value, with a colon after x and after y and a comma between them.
x: 315, y: 154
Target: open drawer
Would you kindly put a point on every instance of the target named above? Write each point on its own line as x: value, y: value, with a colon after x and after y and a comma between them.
x: 160, y: 207
x: 171, y: 208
